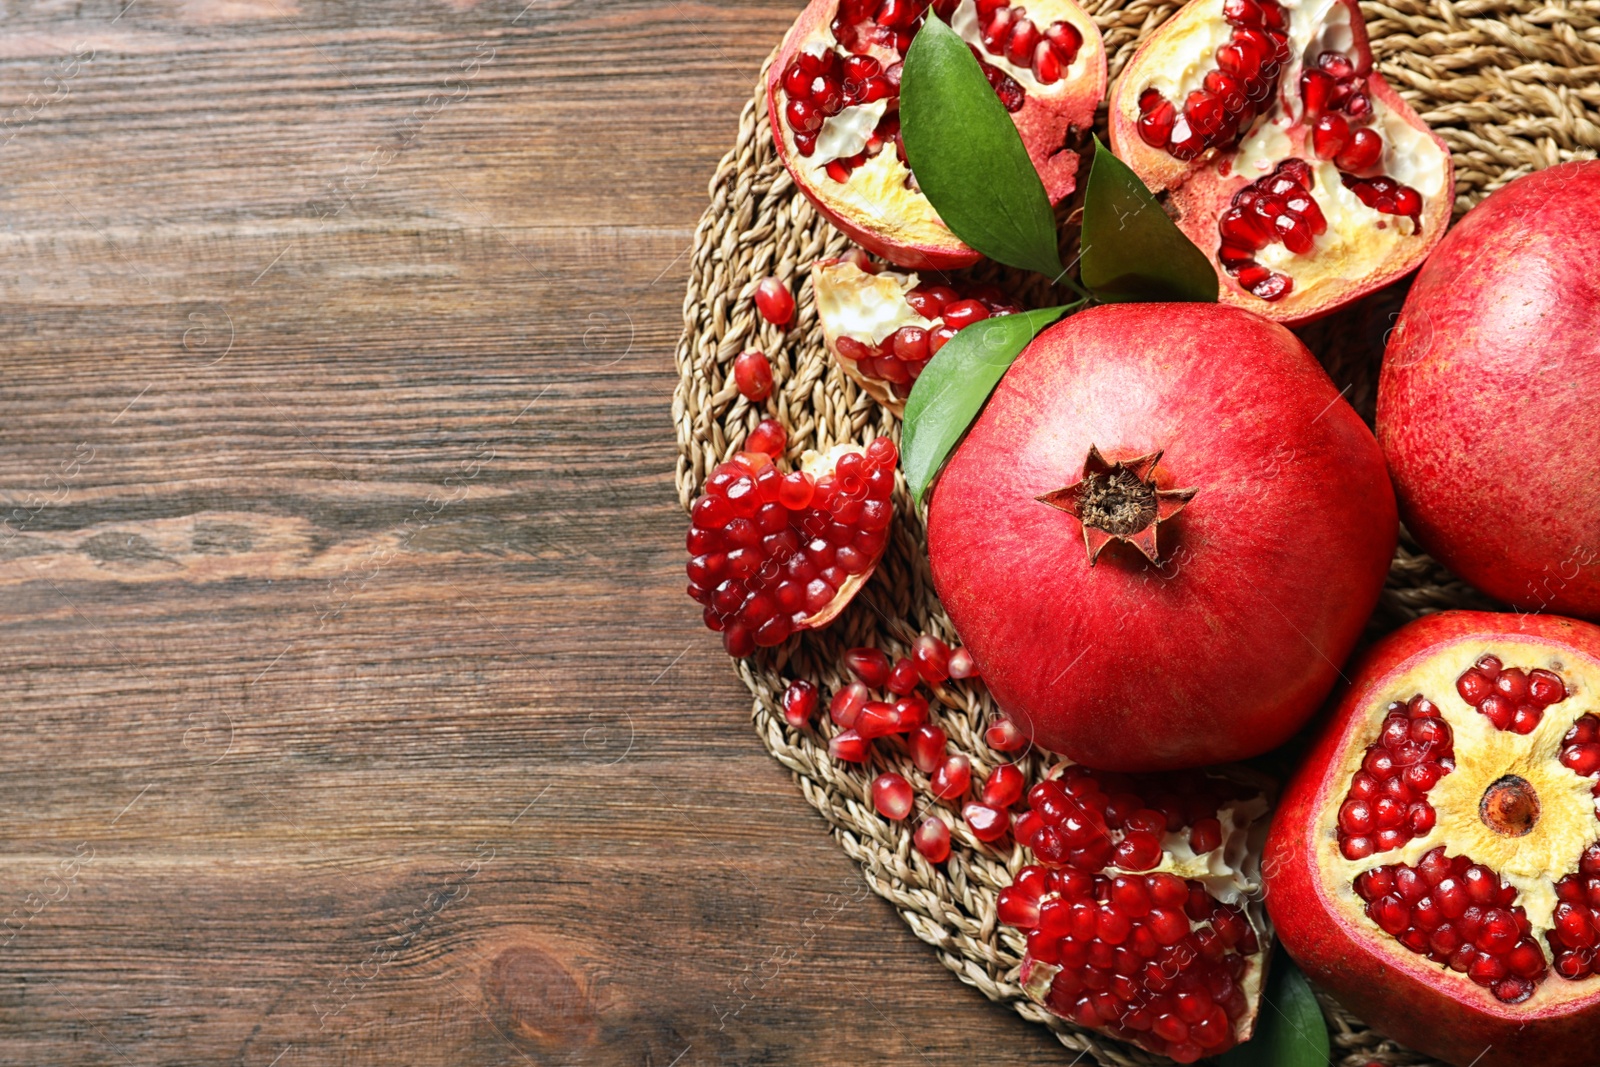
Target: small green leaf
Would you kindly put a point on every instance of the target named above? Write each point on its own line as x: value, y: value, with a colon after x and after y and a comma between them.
x: 955, y: 384
x: 1131, y: 249
x: 968, y: 157
x: 1290, y: 1030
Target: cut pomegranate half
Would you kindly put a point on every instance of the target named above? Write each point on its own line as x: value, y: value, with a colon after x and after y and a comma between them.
x: 1435, y: 863
x: 1143, y: 914
x: 1290, y: 162
x: 773, y: 554
x: 833, y: 97
x: 883, y: 326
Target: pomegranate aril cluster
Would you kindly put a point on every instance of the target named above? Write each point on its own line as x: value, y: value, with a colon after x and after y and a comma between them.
x: 1240, y: 87
x: 1009, y: 32
x: 1275, y: 209
x: 769, y: 550
x: 900, y: 359
x: 1509, y: 697
x: 1387, y: 804
x: 1580, y: 748
x: 1146, y: 957
x: 1459, y: 914
x: 1575, y: 940
x: 817, y: 87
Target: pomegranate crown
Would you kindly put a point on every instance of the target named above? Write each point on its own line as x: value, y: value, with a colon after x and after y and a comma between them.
x: 1119, y: 502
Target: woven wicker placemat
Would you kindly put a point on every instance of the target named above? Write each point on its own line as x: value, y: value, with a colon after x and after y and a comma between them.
x: 1512, y: 87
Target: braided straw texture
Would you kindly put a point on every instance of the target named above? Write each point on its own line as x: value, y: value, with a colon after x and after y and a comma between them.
x: 1511, y: 85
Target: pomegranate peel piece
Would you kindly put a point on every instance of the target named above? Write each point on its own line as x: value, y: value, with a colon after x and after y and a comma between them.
x: 833, y: 105
x: 1474, y: 929
x: 1218, y: 100
x: 883, y: 326
x: 1143, y: 912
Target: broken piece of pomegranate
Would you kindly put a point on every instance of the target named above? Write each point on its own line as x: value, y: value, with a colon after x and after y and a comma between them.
x: 1435, y: 862
x: 883, y: 326
x: 833, y: 97
x: 1143, y: 914
x: 1290, y: 162
x: 773, y: 554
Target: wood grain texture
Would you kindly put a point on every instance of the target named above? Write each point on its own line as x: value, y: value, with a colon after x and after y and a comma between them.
x: 354, y: 713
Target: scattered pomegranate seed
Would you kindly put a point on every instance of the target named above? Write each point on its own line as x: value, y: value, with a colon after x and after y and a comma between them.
x: 932, y: 839
x: 1510, y: 698
x: 952, y: 779
x: 1004, y: 786
x: 1386, y: 805
x: 891, y: 795
x: 799, y: 703
x: 871, y: 665
x: 962, y: 664
x: 769, y: 437
x: 774, y: 300
x: 847, y: 703
x: 753, y: 375
x: 903, y: 678
x: 849, y: 747
x: 1003, y: 735
x: 928, y: 746
x: 932, y: 657
x: 987, y: 823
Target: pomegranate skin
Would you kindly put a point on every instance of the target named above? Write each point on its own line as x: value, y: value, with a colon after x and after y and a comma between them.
x: 1489, y: 397
x: 1406, y: 996
x: 1267, y: 576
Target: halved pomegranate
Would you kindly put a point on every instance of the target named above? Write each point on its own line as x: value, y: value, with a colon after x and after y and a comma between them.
x: 833, y: 98
x: 1290, y: 162
x: 1143, y: 915
x: 773, y: 554
x: 883, y: 326
x: 1435, y: 862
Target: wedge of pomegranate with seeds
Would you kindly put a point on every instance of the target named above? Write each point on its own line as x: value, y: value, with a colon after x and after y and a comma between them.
x: 1143, y: 912
x: 1162, y: 536
x: 833, y: 97
x: 773, y: 554
x: 1291, y: 163
x: 1489, y: 398
x: 1434, y: 863
x: 883, y: 326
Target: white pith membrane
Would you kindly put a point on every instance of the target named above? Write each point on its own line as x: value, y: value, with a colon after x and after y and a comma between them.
x: 1566, y: 824
x: 1359, y: 241
x: 881, y: 193
x: 1230, y: 873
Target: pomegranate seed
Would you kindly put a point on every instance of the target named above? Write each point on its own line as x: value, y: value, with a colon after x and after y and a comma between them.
x: 962, y: 665
x: 847, y: 703
x: 891, y: 795
x: 870, y: 665
x: 849, y: 747
x: 753, y: 375
x: 1156, y: 120
x: 1363, y: 151
x: 932, y: 657
x: 932, y: 839
x: 1330, y: 135
x: 1046, y: 65
x: 1316, y: 88
x: 1546, y: 687
x: 951, y: 780
x: 964, y: 313
x: 927, y: 744
x: 903, y: 678
x: 799, y: 703
x: 1024, y: 37
x: 1004, y: 786
x: 1205, y: 836
x: 769, y: 437
x: 911, y: 344
x: 988, y: 824
x: 1065, y: 40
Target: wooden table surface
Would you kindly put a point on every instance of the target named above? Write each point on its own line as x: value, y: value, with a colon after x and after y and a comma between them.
x: 354, y: 713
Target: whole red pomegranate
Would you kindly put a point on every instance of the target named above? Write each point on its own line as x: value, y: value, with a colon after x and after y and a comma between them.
x: 1290, y: 161
x: 1162, y: 536
x: 833, y: 99
x: 1434, y: 862
x: 1489, y: 399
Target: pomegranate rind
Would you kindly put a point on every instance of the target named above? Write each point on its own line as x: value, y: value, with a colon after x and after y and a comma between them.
x: 1319, y: 918
x: 1228, y: 646
x: 897, y: 223
x: 1489, y: 393
x: 1370, y: 252
x: 818, y: 464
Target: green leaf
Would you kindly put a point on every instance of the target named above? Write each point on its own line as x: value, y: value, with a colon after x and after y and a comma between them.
x: 968, y: 157
x: 1290, y: 1031
x: 955, y: 384
x: 1131, y: 249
